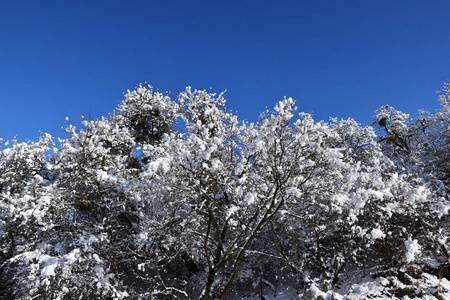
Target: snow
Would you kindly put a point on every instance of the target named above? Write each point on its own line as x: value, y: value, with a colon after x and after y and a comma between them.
x: 98, y: 270
x: 49, y: 269
x: 250, y: 198
x: 161, y: 164
x: 368, y: 289
x: 233, y: 209
x: 71, y: 257
x: 315, y: 293
x: 443, y: 207
x: 378, y: 182
x: 102, y: 175
x: 375, y: 234
x: 215, y: 165
x: 412, y: 250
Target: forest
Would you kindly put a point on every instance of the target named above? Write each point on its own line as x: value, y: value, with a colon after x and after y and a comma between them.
x: 177, y: 198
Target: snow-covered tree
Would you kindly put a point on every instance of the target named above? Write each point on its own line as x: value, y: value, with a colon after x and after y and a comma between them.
x: 147, y: 113
x: 129, y: 207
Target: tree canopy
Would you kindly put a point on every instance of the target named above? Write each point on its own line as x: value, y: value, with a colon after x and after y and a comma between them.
x: 179, y: 199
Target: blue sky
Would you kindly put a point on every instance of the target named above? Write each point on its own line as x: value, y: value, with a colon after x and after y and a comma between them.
x: 336, y: 58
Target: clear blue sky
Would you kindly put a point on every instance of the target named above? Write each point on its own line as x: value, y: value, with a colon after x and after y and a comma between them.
x: 336, y: 58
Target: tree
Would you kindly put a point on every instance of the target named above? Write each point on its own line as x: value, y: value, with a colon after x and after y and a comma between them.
x: 127, y: 207
x: 147, y: 114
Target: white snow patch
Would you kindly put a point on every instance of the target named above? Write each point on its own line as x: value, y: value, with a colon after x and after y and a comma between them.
x: 231, y: 211
x: 99, y: 271
x: 375, y: 234
x: 250, y: 198
x: 412, y: 250
x: 377, y: 182
x: 72, y: 256
x: 49, y: 269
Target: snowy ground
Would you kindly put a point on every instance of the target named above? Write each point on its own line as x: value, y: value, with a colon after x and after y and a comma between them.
x: 427, y: 286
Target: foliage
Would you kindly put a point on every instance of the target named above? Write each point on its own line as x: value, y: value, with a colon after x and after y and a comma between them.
x: 129, y: 207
